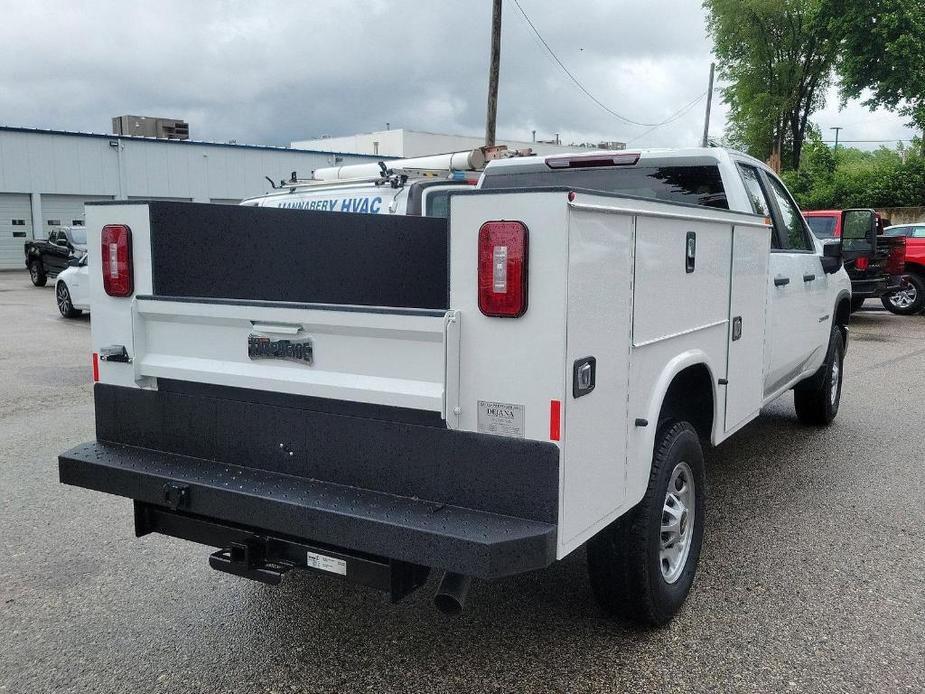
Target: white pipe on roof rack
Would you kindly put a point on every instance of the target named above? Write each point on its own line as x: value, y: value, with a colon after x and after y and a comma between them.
x: 472, y: 160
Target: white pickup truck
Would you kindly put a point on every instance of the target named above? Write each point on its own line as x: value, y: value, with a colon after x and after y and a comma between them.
x: 375, y: 396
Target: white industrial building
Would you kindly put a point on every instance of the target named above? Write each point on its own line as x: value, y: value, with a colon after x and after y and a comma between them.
x: 46, y: 176
x: 416, y: 143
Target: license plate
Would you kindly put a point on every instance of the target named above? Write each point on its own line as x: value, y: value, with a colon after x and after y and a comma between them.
x: 298, y: 349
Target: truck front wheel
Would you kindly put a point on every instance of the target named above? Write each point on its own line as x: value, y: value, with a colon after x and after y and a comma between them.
x: 817, y: 398
x: 37, y: 273
x: 642, y: 566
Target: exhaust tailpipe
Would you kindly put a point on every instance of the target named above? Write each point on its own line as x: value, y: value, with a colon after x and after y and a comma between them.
x: 451, y: 593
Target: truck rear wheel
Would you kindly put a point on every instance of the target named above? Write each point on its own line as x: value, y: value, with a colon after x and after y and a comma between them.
x: 817, y: 398
x: 37, y: 273
x: 642, y: 566
x: 909, y: 299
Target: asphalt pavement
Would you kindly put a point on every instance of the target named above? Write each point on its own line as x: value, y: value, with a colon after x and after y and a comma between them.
x: 812, y: 577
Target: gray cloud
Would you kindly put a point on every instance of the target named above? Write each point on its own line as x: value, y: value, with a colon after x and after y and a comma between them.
x: 273, y: 72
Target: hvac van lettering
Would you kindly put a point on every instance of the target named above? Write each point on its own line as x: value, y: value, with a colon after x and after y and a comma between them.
x: 363, y: 205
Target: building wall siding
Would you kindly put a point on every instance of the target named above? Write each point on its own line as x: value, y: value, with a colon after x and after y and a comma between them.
x: 51, y: 163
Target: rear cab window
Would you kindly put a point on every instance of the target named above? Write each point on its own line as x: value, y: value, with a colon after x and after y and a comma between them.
x: 695, y: 181
x: 822, y: 227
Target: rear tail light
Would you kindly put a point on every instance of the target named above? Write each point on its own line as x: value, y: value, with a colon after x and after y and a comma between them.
x: 862, y: 262
x: 503, y: 269
x: 116, y: 241
x: 896, y: 262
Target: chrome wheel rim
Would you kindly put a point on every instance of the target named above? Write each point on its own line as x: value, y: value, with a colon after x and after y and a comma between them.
x: 63, y: 300
x: 905, y: 297
x: 678, y: 515
x: 836, y: 375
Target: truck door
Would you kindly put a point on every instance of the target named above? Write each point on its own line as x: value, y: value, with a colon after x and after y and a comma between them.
x: 796, y: 287
x: 55, y: 253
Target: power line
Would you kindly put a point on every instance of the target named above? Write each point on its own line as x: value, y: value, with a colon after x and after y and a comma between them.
x: 683, y: 111
x: 579, y: 84
x: 897, y: 139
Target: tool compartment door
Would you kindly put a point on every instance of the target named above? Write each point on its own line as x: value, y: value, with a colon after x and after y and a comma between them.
x: 747, y: 304
x: 600, y: 305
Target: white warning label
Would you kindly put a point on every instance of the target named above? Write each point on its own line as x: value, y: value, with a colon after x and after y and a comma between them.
x: 324, y: 563
x: 501, y: 418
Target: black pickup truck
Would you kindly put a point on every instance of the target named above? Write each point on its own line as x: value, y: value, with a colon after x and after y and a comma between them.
x: 874, y: 261
x: 47, y: 257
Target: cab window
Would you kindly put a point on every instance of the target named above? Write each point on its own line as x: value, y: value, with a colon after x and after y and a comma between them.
x: 794, y: 228
x: 756, y: 196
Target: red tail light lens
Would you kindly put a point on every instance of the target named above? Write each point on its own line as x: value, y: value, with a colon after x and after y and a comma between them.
x: 503, y: 269
x: 896, y: 262
x: 116, y: 259
x: 862, y: 262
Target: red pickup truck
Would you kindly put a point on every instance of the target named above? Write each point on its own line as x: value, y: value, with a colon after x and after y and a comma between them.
x: 909, y: 299
x: 874, y: 261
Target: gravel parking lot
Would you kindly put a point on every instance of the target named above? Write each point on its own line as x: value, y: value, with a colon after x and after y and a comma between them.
x: 812, y: 576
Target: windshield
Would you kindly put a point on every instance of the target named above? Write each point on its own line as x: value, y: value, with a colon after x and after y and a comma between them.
x: 822, y: 227
x: 79, y: 236
x: 671, y: 182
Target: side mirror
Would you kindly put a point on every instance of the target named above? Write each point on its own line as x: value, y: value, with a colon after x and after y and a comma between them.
x: 831, y: 256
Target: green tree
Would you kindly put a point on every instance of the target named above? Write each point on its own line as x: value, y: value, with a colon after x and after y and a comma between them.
x: 882, y: 178
x: 778, y: 56
x: 883, y: 49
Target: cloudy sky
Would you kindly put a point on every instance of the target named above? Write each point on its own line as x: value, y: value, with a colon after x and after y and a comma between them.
x: 274, y: 72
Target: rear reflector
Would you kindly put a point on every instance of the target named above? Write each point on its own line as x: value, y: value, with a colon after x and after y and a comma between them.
x: 96, y: 367
x: 116, y: 259
x: 503, y: 269
x: 583, y: 161
x: 862, y: 262
x: 555, y: 419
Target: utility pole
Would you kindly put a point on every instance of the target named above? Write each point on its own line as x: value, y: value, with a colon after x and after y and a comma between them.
x: 706, y: 119
x: 836, y: 129
x: 494, y: 69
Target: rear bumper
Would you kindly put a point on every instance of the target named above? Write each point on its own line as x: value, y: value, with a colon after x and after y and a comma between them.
x: 872, y: 289
x: 307, y: 470
x: 477, y: 543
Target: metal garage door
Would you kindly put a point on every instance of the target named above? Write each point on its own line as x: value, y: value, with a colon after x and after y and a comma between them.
x: 65, y: 210
x: 15, y: 229
x: 155, y: 197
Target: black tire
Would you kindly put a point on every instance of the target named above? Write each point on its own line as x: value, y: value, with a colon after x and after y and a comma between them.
x: 63, y: 299
x: 37, y: 273
x: 625, y: 564
x: 910, y: 300
x: 817, y: 398
x: 856, y: 303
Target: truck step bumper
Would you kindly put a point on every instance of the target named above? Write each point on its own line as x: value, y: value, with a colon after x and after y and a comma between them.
x: 420, y: 532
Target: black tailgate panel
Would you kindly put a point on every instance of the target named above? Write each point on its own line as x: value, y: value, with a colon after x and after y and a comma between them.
x: 268, y: 254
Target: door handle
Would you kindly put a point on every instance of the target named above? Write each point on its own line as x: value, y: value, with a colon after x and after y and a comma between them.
x: 781, y: 281
x: 809, y: 278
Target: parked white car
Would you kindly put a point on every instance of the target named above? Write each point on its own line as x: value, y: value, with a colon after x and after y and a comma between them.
x: 72, y: 291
